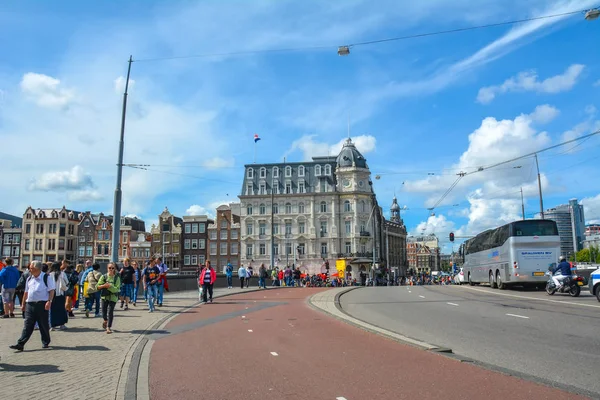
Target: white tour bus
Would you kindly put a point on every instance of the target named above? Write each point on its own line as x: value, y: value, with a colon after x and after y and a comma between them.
x: 516, y: 254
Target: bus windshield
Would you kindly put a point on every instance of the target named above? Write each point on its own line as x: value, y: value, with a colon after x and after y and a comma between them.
x: 534, y: 228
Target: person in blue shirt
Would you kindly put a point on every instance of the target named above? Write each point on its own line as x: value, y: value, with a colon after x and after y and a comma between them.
x: 561, y: 272
x: 9, y: 276
x: 229, y: 275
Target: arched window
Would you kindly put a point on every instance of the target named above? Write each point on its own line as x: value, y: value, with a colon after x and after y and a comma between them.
x: 249, y: 209
x: 347, y: 206
x: 301, y: 208
x: 323, y: 207
x: 317, y: 170
x: 275, y: 208
x: 250, y: 174
x: 288, y: 208
x: 288, y: 171
x: 275, y: 172
x: 301, y: 170
x: 263, y: 172
x: 262, y: 209
x: 328, y: 169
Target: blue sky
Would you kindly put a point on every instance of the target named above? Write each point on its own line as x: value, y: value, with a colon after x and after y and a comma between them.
x: 441, y: 104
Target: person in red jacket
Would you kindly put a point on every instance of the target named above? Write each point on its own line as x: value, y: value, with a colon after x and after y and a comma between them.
x: 207, y: 279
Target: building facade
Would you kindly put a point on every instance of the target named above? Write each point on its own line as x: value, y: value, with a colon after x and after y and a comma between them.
x: 570, y: 221
x: 224, y: 238
x: 10, y: 240
x: 166, y: 239
x: 195, y: 242
x: 140, y: 248
x: 426, y: 255
x: 311, y: 213
x: 592, y: 229
x: 49, y: 235
x: 394, y: 246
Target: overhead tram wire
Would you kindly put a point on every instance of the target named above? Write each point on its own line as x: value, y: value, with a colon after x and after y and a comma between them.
x: 184, y: 175
x: 365, y: 43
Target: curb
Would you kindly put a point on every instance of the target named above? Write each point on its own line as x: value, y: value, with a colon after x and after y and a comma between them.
x: 137, y: 384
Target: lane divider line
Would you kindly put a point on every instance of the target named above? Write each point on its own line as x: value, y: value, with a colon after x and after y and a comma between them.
x: 517, y: 316
x: 340, y: 398
x: 274, y: 354
x: 250, y: 330
x: 452, y: 304
x: 532, y: 298
x: 422, y: 296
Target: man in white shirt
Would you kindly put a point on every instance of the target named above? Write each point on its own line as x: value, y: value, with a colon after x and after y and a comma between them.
x: 39, y: 292
x: 242, y: 275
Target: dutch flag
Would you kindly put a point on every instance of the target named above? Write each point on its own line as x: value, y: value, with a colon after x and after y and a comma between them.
x: 256, y: 138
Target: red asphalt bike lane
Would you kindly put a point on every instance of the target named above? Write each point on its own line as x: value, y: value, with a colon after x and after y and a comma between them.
x: 318, y: 357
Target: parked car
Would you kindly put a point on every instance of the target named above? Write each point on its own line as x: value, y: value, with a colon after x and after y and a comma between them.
x: 459, y: 278
x: 595, y: 283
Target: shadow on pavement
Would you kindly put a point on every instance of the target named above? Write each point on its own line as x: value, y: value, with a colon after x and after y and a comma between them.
x: 74, y: 348
x: 82, y: 329
x: 30, y: 370
x: 149, y: 332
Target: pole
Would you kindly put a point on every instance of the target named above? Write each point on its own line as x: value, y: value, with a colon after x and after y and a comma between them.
x: 387, y: 252
x: 575, y: 247
x: 272, y: 233
x: 522, y: 205
x: 118, y: 194
x: 540, y: 187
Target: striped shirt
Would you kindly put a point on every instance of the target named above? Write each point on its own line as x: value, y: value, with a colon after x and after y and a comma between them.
x: 207, y: 276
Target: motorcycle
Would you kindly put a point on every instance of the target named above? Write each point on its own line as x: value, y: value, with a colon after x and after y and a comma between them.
x: 571, y: 284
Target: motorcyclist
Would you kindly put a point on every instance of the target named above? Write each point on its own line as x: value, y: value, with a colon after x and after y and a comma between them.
x: 561, y: 272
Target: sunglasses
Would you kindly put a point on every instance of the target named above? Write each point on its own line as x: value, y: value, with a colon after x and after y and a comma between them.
x: 111, y: 268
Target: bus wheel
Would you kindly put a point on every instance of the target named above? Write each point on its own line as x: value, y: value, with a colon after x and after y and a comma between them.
x: 499, y: 282
x: 472, y: 284
x: 492, y: 282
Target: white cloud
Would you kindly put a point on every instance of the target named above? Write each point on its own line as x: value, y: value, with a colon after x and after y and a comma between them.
x: 527, y: 81
x: 310, y: 147
x: 437, y: 224
x: 46, y: 91
x: 196, y: 209
x: 120, y: 84
x: 544, y: 114
x: 218, y: 163
x: 73, y: 179
x: 591, y: 208
x: 132, y: 216
x: 88, y: 195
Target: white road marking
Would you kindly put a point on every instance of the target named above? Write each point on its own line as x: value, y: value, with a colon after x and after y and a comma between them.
x: 409, y: 291
x: 274, y: 354
x: 452, y: 304
x: 340, y: 398
x: 422, y: 296
x: 532, y: 298
x: 250, y: 330
x: 243, y: 316
x: 518, y: 316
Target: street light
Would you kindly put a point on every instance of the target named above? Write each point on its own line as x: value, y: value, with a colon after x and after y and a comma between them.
x: 590, y: 15
x: 345, y: 50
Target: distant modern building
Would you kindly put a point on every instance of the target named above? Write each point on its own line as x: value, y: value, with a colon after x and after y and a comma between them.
x: 592, y: 229
x: 195, y: 241
x: 570, y: 220
x: 166, y: 239
x: 224, y: 238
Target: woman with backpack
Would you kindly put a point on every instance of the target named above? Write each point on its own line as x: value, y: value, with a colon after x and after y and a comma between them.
x: 72, y: 281
x: 91, y: 293
x: 110, y: 286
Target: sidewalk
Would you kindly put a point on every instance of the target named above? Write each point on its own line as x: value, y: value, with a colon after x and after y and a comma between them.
x: 83, y: 357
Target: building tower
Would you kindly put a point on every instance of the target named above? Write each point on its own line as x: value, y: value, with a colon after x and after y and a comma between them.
x: 395, y: 212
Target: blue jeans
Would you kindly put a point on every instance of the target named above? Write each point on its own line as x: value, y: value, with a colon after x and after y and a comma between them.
x: 152, y: 294
x: 135, y: 292
x: 89, y: 302
x: 230, y: 281
x: 161, y: 290
x: 261, y: 283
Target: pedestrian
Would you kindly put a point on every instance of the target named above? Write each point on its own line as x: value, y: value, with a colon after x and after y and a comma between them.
x: 151, y: 277
x: 242, y: 275
x: 162, y: 281
x: 37, y: 300
x: 229, y: 275
x: 109, y: 286
x: 127, y: 283
x: 207, y: 279
x: 136, y: 282
x: 288, y: 276
x: 58, y: 311
x: 275, y: 276
x: 296, y: 277
x: 79, y: 288
x: 9, y: 277
x: 72, y: 281
x: 249, y: 274
x: 83, y: 278
x: 262, y: 276
x: 20, y: 289
x: 92, y: 294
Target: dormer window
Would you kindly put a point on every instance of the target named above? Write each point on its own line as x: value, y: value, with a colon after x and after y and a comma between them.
x: 275, y: 172
x: 250, y: 173
x: 104, y: 224
x: 317, y: 170
x: 86, y: 223
x: 328, y: 170
x: 263, y: 172
x: 288, y: 171
x: 301, y: 170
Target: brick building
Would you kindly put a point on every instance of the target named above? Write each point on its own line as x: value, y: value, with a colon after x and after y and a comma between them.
x: 224, y: 237
x: 166, y: 239
x: 195, y: 241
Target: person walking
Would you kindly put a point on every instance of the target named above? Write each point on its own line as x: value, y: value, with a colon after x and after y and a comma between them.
x: 92, y: 295
x: 72, y: 283
x: 58, y: 311
x: 9, y: 277
x: 151, y: 277
x: 79, y: 288
x: 207, y: 279
x: 109, y: 286
x: 229, y: 275
x: 20, y: 289
x: 83, y: 277
x: 127, y: 283
x: 262, y: 276
x: 162, y: 281
x: 249, y: 274
x: 275, y: 276
x: 242, y: 275
x: 136, y: 282
x: 37, y: 300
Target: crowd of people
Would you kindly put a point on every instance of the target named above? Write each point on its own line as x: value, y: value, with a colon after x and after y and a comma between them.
x: 48, y: 294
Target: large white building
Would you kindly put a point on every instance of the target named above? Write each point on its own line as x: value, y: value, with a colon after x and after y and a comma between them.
x: 315, y: 211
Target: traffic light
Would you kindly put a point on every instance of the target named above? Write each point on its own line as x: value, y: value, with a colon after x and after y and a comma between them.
x: 452, y: 236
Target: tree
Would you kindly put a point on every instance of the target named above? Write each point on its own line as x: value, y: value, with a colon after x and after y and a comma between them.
x: 591, y: 254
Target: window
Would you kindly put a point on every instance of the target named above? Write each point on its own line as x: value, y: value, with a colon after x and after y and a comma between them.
x: 39, y: 228
x: 328, y: 170
x: 51, y: 244
x: 317, y: 170
x: 234, y: 248
x: 276, y: 249
x: 124, y: 251
x: 250, y: 174
x: 301, y: 227
x: 275, y: 172
x: 347, y: 206
x: 62, y: 230
x: 100, y: 235
x: 275, y: 208
x: 147, y: 253
x: 288, y: 171
x: 275, y: 229
x: 288, y: 249
x: 156, y: 237
x: 262, y: 249
x: 106, y: 235
x: 201, y: 244
x: 88, y: 251
x: 70, y: 246
x: 6, y: 251
x: 194, y: 260
x: 224, y: 224
x: 249, y: 229
x: 81, y: 239
x: 125, y: 237
x: 52, y: 228
x: 323, y: 249
x: 323, y: 207
x: 288, y: 187
x: 288, y: 228
x: 323, y: 228
x: 262, y: 209
x: 348, y: 247
x: 300, y: 208
x: 223, y: 249
x: 363, y: 207
x: 194, y: 244
x: 301, y: 249
x: 86, y: 223
x: 134, y: 253
x: 166, y: 238
x: 301, y: 170
x: 188, y: 228
x: 71, y: 229
x: 106, y: 249
x: 194, y: 228
x: 275, y: 187
x: 249, y: 209
x: 27, y: 229
x: 288, y: 208
x: 104, y: 224
x: 61, y: 244
x: 186, y: 260
x: 249, y: 250
x: 262, y: 229
x: 213, y: 235
x: 223, y: 235
x: 348, y: 227
x: 249, y: 189
x: 263, y: 172
x: 202, y: 259
x: 262, y: 189
x: 301, y: 188
x: 81, y: 251
x: 323, y: 186
x: 213, y: 249
x: 27, y: 244
x: 165, y: 228
x: 201, y: 227
x: 363, y: 227
x: 234, y: 234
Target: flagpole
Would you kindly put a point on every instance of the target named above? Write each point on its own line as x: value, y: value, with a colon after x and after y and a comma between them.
x: 254, y: 151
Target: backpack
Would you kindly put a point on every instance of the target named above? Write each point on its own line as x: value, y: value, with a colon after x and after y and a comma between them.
x: 21, y: 282
x: 72, y: 281
x: 45, y: 278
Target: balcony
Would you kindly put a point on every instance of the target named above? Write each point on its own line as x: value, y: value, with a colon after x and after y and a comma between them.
x: 365, y: 233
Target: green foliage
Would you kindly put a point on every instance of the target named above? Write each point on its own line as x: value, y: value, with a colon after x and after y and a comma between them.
x: 588, y: 255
